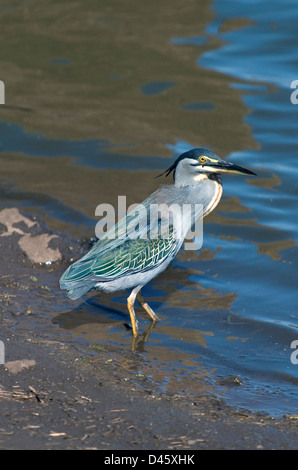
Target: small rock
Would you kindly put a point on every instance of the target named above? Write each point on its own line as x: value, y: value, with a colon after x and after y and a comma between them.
x: 230, y: 381
x: 37, y: 248
x: 29, y: 237
x: 11, y: 218
x: 17, y: 366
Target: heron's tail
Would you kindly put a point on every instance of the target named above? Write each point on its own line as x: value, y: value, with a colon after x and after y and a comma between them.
x: 77, y: 280
x: 78, y: 292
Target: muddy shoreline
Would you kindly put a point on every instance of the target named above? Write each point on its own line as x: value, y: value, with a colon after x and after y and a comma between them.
x: 54, y: 395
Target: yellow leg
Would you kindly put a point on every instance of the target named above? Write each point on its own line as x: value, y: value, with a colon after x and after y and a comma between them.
x: 146, y: 307
x: 130, y: 305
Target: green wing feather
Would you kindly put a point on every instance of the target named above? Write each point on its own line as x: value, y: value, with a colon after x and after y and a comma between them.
x: 133, y: 256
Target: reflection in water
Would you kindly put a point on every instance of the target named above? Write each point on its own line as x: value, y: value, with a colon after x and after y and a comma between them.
x: 273, y: 249
x: 190, y: 41
x: 183, y: 290
x: 268, y: 183
x: 198, y: 106
x: 82, y: 100
x: 77, y: 131
x: 154, y: 88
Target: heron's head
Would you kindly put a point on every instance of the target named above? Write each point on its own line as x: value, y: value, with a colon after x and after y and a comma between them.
x: 200, y: 163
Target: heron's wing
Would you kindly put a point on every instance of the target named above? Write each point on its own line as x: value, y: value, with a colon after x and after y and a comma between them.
x: 134, y: 256
x: 131, y: 257
x: 126, y: 249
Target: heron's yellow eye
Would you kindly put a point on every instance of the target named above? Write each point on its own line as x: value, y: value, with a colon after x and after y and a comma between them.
x: 202, y: 159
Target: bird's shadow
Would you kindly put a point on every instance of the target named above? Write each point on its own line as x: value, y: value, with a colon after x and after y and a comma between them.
x: 93, y: 310
x: 90, y: 311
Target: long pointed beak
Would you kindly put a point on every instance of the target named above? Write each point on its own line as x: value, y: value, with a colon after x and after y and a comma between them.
x: 226, y: 167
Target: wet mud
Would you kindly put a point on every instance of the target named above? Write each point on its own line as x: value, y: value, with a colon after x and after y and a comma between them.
x: 57, y: 394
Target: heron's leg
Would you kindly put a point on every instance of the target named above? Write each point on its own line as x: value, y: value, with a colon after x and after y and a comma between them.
x: 130, y: 305
x: 146, y: 307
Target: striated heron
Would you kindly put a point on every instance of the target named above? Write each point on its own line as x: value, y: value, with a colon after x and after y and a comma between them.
x: 140, y: 246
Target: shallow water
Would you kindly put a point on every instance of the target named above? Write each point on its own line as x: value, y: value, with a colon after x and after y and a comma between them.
x: 98, y: 101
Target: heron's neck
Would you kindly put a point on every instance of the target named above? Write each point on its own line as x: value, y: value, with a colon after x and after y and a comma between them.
x: 204, y: 189
x: 216, y: 179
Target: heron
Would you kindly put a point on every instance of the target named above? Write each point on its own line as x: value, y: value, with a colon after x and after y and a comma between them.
x: 141, y: 246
